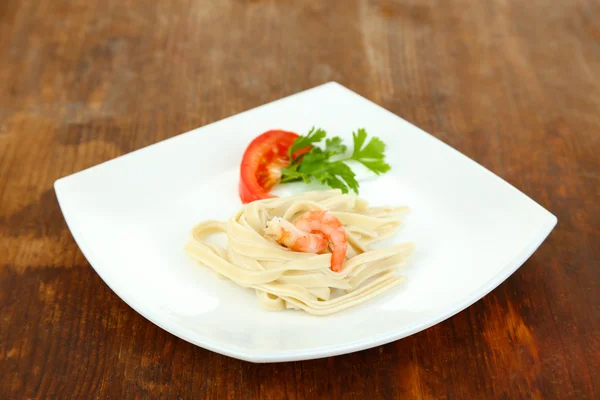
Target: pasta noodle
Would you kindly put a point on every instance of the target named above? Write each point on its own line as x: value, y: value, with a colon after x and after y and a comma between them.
x: 286, y: 279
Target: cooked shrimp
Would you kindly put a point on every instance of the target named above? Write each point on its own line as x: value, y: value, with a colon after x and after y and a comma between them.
x: 311, y: 233
x: 285, y: 233
x: 331, y: 228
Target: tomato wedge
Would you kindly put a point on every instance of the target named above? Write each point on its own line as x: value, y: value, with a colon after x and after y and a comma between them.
x: 262, y: 162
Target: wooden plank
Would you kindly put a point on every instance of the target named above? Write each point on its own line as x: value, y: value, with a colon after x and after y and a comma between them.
x: 514, y: 85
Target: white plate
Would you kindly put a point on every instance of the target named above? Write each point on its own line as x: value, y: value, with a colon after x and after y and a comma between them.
x: 132, y: 215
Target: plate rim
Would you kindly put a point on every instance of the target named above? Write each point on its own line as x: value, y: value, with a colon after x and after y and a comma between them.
x: 550, y: 221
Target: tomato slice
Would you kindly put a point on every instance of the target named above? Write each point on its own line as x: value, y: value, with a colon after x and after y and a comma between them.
x: 262, y: 162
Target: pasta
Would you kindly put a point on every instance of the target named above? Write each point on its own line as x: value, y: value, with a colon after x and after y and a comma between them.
x: 286, y: 279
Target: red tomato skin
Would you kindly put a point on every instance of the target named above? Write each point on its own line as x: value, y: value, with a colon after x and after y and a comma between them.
x: 262, y: 162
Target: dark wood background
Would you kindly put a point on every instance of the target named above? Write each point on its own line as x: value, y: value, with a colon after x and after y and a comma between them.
x: 513, y: 84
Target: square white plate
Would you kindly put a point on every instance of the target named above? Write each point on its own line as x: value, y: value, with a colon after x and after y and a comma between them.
x: 131, y: 217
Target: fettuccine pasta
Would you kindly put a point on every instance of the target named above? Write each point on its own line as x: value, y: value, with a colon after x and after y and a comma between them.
x: 286, y: 279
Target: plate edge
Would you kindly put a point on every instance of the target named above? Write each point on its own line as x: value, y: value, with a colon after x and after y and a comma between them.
x: 330, y: 84
x: 551, y: 221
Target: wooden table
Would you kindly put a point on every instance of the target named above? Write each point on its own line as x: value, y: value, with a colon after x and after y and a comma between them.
x: 513, y: 84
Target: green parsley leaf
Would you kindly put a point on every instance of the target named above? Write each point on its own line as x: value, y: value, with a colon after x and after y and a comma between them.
x: 372, y: 155
x: 313, y: 136
x: 291, y: 174
x: 328, y: 165
x: 340, y: 176
x: 335, y: 146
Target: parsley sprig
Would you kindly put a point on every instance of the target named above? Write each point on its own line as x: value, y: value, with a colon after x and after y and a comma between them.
x: 327, y: 164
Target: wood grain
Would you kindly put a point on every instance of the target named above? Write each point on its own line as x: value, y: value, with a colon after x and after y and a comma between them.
x: 513, y: 84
